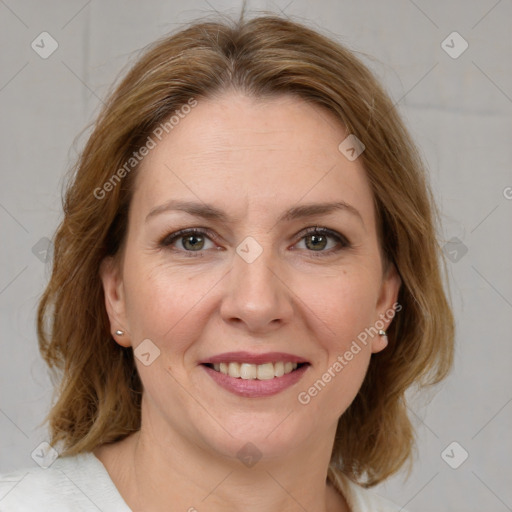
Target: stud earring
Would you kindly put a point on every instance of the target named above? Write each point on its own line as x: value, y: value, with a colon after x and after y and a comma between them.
x: 119, y: 332
x: 382, y: 332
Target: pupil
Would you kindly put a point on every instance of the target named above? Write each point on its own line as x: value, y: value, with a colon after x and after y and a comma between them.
x: 193, y: 244
x: 317, y: 241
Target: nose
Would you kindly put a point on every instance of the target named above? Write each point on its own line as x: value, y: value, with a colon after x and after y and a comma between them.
x: 257, y: 295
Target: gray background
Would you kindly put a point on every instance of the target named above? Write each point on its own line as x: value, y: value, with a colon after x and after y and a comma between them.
x: 459, y: 110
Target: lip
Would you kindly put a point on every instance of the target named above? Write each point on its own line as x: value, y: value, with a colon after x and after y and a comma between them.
x: 252, y: 358
x: 254, y: 388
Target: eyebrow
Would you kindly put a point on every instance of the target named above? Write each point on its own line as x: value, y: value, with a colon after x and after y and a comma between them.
x: 210, y: 212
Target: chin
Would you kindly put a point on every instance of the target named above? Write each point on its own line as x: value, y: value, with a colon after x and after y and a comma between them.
x: 268, y: 437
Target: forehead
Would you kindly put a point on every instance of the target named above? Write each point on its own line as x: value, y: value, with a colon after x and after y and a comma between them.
x: 245, y: 153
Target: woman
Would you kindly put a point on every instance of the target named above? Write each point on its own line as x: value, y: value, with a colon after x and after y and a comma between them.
x: 245, y: 283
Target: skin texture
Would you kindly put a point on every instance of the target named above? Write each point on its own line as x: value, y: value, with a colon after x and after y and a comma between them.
x: 254, y: 159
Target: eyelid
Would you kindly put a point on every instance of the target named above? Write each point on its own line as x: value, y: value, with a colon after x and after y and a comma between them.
x: 170, y: 238
x: 326, y: 231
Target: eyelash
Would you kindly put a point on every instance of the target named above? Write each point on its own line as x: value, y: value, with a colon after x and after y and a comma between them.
x: 168, y: 240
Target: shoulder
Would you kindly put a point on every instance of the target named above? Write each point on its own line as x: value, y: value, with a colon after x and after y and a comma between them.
x: 360, y: 499
x: 80, y: 482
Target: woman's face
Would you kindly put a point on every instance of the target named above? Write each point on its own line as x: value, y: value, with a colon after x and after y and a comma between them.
x: 252, y: 285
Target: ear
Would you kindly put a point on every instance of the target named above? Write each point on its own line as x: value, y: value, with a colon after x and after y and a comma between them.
x: 388, y: 296
x: 113, y: 289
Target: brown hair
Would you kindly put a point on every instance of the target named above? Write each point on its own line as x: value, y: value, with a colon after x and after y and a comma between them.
x: 99, y: 395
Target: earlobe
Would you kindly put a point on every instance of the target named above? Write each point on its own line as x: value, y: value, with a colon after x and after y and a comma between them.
x: 380, y: 342
x: 113, y: 290
x: 386, y: 306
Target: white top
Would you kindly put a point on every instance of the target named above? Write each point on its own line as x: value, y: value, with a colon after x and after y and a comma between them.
x: 82, y: 483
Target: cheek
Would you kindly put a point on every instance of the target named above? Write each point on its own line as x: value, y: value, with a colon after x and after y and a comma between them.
x: 163, y: 305
x: 343, y: 359
x: 344, y: 311
x: 343, y: 304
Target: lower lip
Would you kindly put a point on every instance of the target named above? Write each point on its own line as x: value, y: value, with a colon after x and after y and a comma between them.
x: 255, y: 388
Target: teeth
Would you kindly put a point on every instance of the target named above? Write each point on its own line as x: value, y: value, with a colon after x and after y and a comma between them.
x: 265, y: 371
x: 279, y: 369
x: 233, y: 370
x: 249, y: 371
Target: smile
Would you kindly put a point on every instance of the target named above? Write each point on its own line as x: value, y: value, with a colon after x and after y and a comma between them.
x: 249, y: 371
x: 255, y: 380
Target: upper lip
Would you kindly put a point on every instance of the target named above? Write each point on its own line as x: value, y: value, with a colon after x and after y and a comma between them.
x: 251, y: 358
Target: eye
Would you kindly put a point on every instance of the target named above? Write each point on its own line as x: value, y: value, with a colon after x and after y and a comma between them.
x: 316, y: 239
x: 193, y: 240
x: 189, y: 240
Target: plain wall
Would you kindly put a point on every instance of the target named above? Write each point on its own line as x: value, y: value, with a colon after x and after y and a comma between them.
x: 459, y: 111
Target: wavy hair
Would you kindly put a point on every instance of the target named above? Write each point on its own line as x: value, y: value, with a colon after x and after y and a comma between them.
x: 97, y: 397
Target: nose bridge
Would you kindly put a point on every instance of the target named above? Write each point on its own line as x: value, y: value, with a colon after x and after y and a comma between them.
x: 251, y: 268
x: 256, y: 294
